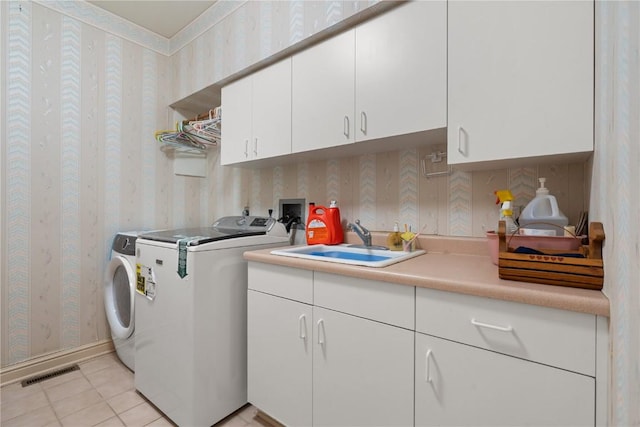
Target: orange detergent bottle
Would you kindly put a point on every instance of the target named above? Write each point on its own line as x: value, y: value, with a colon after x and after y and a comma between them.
x: 323, y: 225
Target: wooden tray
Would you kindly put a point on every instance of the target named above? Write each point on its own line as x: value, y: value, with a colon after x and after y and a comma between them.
x: 552, y: 268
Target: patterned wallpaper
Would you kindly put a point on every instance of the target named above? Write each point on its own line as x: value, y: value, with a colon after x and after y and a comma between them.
x: 83, y: 94
x: 383, y: 188
x: 81, y: 164
x: 72, y: 145
x: 615, y: 193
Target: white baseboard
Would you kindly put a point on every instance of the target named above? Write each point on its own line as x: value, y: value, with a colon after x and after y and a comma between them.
x: 41, y: 364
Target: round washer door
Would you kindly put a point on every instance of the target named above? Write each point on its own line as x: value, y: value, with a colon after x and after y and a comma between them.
x: 119, y: 297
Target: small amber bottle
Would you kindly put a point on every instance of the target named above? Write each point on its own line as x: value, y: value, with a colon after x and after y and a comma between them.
x: 394, y: 240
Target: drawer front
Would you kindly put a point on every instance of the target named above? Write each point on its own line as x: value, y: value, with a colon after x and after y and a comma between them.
x: 380, y: 301
x: 286, y: 282
x: 554, y: 337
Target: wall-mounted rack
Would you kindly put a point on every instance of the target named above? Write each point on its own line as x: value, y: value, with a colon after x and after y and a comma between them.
x: 189, y: 142
x: 193, y: 136
x: 435, y: 158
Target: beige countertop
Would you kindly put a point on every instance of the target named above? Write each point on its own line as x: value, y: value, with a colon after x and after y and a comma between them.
x: 459, y: 265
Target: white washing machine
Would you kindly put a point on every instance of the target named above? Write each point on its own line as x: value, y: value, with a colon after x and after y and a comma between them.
x: 191, y: 316
x: 119, y: 296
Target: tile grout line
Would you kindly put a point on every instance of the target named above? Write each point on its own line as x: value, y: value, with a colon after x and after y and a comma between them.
x: 242, y: 417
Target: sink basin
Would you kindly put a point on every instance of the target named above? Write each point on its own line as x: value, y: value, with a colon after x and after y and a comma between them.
x: 345, y: 254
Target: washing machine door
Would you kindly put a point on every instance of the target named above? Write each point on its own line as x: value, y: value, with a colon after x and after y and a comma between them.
x: 119, y: 297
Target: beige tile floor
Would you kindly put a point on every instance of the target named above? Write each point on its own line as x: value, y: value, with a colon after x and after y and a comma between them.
x: 101, y: 394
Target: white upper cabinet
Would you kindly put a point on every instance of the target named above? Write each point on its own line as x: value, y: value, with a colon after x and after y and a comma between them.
x: 257, y: 115
x: 236, y: 129
x: 521, y: 77
x: 401, y: 74
x: 323, y: 88
x: 384, y: 78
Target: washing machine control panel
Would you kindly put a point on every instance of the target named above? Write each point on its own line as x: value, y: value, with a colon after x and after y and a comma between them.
x: 245, y: 223
x: 124, y: 244
x: 259, y: 222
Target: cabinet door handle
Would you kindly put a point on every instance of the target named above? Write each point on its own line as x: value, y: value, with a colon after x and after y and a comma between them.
x: 246, y: 148
x: 427, y: 376
x: 363, y: 122
x: 508, y: 328
x: 345, y: 131
x: 321, y: 337
x: 460, y: 140
x: 302, y: 327
x: 255, y: 146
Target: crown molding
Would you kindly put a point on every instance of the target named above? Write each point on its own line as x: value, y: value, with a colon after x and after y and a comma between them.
x: 209, y: 18
x: 114, y: 24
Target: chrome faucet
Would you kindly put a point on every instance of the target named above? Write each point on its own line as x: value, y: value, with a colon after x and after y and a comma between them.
x: 362, y: 232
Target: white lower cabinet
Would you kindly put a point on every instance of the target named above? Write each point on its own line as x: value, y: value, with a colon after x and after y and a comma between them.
x: 362, y: 372
x: 279, y: 357
x: 311, y: 365
x: 482, y: 361
x: 461, y: 385
x: 330, y: 350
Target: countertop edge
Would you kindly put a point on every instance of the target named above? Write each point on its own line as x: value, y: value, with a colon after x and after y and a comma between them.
x: 482, y: 281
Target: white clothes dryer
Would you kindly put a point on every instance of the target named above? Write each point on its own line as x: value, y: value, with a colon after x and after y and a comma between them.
x: 119, y: 295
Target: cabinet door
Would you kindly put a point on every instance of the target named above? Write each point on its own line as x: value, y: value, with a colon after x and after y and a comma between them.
x: 520, y: 79
x: 362, y: 372
x: 458, y: 384
x: 323, y: 94
x: 401, y: 74
x: 236, y: 129
x: 272, y: 111
x: 279, y: 358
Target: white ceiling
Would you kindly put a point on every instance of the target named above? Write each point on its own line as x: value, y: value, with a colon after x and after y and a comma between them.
x: 162, y: 17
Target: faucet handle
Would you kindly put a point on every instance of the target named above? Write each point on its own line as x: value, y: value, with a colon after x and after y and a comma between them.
x: 362, y: 227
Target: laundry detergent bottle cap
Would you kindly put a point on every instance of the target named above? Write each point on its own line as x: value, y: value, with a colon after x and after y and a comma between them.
x: 543, y: 213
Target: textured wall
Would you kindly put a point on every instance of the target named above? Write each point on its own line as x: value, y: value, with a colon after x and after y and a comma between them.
x: 79, y: 163
x: 249, y: 33
x: 79, y: 106
x: 82, y: 94
x: 380, y: 189
x: 615, y: 194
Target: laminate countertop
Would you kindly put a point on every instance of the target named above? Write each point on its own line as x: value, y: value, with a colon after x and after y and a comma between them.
x: 460, y: 265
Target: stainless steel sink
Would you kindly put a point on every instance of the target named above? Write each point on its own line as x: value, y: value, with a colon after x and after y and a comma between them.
x: 346, y: 254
